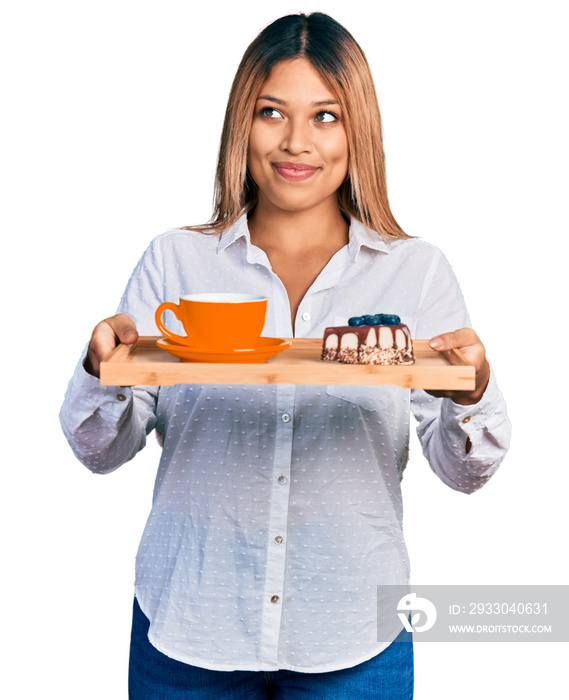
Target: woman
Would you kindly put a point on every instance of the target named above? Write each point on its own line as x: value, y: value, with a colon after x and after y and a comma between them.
x: 277, y: 510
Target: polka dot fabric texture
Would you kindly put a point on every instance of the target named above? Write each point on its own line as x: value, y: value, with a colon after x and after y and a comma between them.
x: 277, y: 509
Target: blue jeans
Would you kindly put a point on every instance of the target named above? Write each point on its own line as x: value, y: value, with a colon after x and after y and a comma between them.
x: 155, y: 676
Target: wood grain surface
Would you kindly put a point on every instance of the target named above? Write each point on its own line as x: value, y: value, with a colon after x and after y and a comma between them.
x: 146, y: 364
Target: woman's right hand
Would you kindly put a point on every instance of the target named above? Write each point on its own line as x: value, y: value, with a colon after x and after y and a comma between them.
x: 106, y: 336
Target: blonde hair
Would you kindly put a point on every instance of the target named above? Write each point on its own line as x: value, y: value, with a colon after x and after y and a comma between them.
x: 344, y: 68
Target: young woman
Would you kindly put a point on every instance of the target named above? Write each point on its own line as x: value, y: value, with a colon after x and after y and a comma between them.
x: 277, y: 509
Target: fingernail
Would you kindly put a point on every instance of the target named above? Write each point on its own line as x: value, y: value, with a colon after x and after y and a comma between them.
x: 436, y: 343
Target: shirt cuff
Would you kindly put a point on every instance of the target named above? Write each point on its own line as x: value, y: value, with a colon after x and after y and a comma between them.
x: 477, y: 416
x: 88, y: 390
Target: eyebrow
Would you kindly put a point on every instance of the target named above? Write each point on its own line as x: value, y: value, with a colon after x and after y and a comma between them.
x: 321, y: 103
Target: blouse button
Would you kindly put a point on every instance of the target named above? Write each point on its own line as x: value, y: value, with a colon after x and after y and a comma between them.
x: 278, y: 539
x: 121, y: 397
x: 285, y: 417
x: 275, y: 599
x: 465, y: 420
x: 282, y: 479
x: 306, y: 316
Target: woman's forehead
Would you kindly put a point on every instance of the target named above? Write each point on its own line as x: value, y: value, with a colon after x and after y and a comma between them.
x: 297, y: 80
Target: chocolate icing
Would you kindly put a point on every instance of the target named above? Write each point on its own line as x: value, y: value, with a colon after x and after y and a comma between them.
x: 370, y: 345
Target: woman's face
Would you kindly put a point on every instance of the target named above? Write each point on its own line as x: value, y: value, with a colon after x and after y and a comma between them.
x: 298, y: 147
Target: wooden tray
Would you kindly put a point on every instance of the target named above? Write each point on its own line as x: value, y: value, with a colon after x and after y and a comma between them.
x: 145, y: 364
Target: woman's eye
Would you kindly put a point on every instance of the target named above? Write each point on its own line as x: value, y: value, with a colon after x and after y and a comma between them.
x: 270, y: 113
x: 325, y: 117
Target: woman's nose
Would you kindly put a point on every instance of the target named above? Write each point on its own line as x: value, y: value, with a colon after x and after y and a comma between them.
x: 297, y: 137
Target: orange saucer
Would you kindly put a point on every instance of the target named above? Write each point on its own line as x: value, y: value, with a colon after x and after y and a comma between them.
x: 265, y: 348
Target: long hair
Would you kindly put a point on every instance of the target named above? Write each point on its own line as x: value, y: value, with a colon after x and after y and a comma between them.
x: 344, y: 68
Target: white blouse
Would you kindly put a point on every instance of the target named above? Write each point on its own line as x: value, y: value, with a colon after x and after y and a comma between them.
x: 277, y: 509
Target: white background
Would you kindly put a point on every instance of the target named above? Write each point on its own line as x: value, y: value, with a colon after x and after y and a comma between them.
x: 110, y: 126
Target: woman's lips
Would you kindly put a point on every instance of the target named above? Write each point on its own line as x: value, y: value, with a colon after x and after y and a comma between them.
x: 295, y: 171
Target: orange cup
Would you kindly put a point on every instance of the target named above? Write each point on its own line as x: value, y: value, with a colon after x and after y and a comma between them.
x: 216, y: 321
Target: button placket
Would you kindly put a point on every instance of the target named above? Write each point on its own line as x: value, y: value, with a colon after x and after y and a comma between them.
x: 276, y: 551
x: 303, y: 320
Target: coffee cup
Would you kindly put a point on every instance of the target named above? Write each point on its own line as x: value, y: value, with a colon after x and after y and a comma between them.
x: 216, y: 321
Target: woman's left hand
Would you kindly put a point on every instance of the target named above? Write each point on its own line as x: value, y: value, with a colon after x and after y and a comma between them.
x: 465, y: 340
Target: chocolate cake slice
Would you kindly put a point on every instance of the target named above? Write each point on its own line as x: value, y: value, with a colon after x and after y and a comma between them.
x: 369, y: 343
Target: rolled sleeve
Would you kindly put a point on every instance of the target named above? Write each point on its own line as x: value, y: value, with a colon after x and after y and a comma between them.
x: 464, y: 445
x: 106, y: 426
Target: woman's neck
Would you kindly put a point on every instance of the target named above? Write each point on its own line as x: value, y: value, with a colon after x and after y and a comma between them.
x: 275, y: 230
x: 298, y: 245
